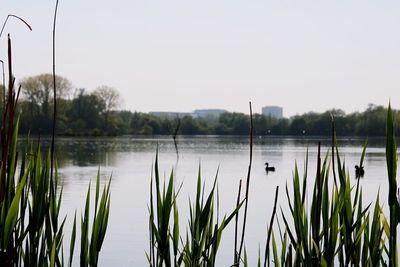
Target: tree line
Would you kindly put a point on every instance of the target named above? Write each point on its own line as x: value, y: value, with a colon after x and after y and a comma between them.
x: 96, y: 113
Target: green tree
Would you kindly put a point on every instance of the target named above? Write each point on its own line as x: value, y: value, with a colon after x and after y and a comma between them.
x: 111, y: 100
x: 39, y: 89
x: 85, y: 112
x: 233, y: 123
x: 189, y: 126
x: 38, y: 92
x: 298, y: 126
x: 281, y: 128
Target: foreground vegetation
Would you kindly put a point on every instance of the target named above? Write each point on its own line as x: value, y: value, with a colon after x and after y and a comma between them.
x: 31, y: 227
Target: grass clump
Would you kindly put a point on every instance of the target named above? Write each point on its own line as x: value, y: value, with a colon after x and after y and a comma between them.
x: 199, y: 245
x: 31, y: 227
x: 336, y: 227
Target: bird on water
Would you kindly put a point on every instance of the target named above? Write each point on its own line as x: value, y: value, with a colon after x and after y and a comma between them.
x: 359, y: 171
x: 268, y: 168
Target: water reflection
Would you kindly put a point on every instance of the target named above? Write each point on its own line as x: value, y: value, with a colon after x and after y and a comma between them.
x: 86, y: 151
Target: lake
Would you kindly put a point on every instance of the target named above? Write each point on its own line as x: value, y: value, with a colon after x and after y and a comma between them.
x: 130, y: 161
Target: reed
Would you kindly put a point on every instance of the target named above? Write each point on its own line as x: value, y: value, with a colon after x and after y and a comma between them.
x: 391, y: 161
x: 91, y: 242
x: 32, y: 229
x: 198, y: 246
x: 336, y: 228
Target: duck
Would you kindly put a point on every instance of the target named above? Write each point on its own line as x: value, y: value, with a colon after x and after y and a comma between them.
x: 359, y: 171
x: 269, y: 169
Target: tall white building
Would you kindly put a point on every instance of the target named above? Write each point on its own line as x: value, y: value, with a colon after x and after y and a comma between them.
x: 273, y: 111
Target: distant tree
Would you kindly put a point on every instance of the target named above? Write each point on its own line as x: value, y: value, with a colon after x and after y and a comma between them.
x: 281, y: 128
x: 322, y: 125
x: 109, y: 96
x: 38, y: 90
x: 241, y: 124
x: 190, y: 126
x: 125, y: 117
x: 298, y: 126
x: 85, y: 111
x: 224, y: 125
x: 111, y: 99
x: 336, y: 113
x: 375, y: 120
x: 264, y: 124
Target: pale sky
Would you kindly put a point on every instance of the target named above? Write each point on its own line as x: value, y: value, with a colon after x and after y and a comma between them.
x: 180, y: 55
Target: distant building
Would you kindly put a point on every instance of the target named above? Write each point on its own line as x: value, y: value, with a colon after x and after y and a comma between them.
x: 170, y: 115
x: 273, y: 111
x: 198, y: 113
x: 208, y: 113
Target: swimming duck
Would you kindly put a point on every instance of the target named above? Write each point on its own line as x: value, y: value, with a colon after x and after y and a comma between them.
x: 359, y: 171
x: 269, y: 169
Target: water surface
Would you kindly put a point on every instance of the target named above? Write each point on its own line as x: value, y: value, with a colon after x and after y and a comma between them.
x: 130, y: 161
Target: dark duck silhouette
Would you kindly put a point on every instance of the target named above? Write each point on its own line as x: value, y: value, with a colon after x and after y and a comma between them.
x: 268, y: 168
x: 360, y: 168
x: 359, y: 171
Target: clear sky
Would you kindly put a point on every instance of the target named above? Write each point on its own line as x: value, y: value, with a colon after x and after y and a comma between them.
x: 179, y: 55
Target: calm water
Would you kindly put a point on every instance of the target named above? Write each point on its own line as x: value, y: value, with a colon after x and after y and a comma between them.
x: 129, y: 160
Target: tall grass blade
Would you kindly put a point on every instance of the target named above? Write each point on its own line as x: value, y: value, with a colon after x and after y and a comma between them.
x: 391, y: 161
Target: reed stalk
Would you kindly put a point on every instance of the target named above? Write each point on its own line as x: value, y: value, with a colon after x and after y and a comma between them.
x: 270, y: 231
x: 391, y: 161
x: 247, y: 186
x: 236, y: 256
